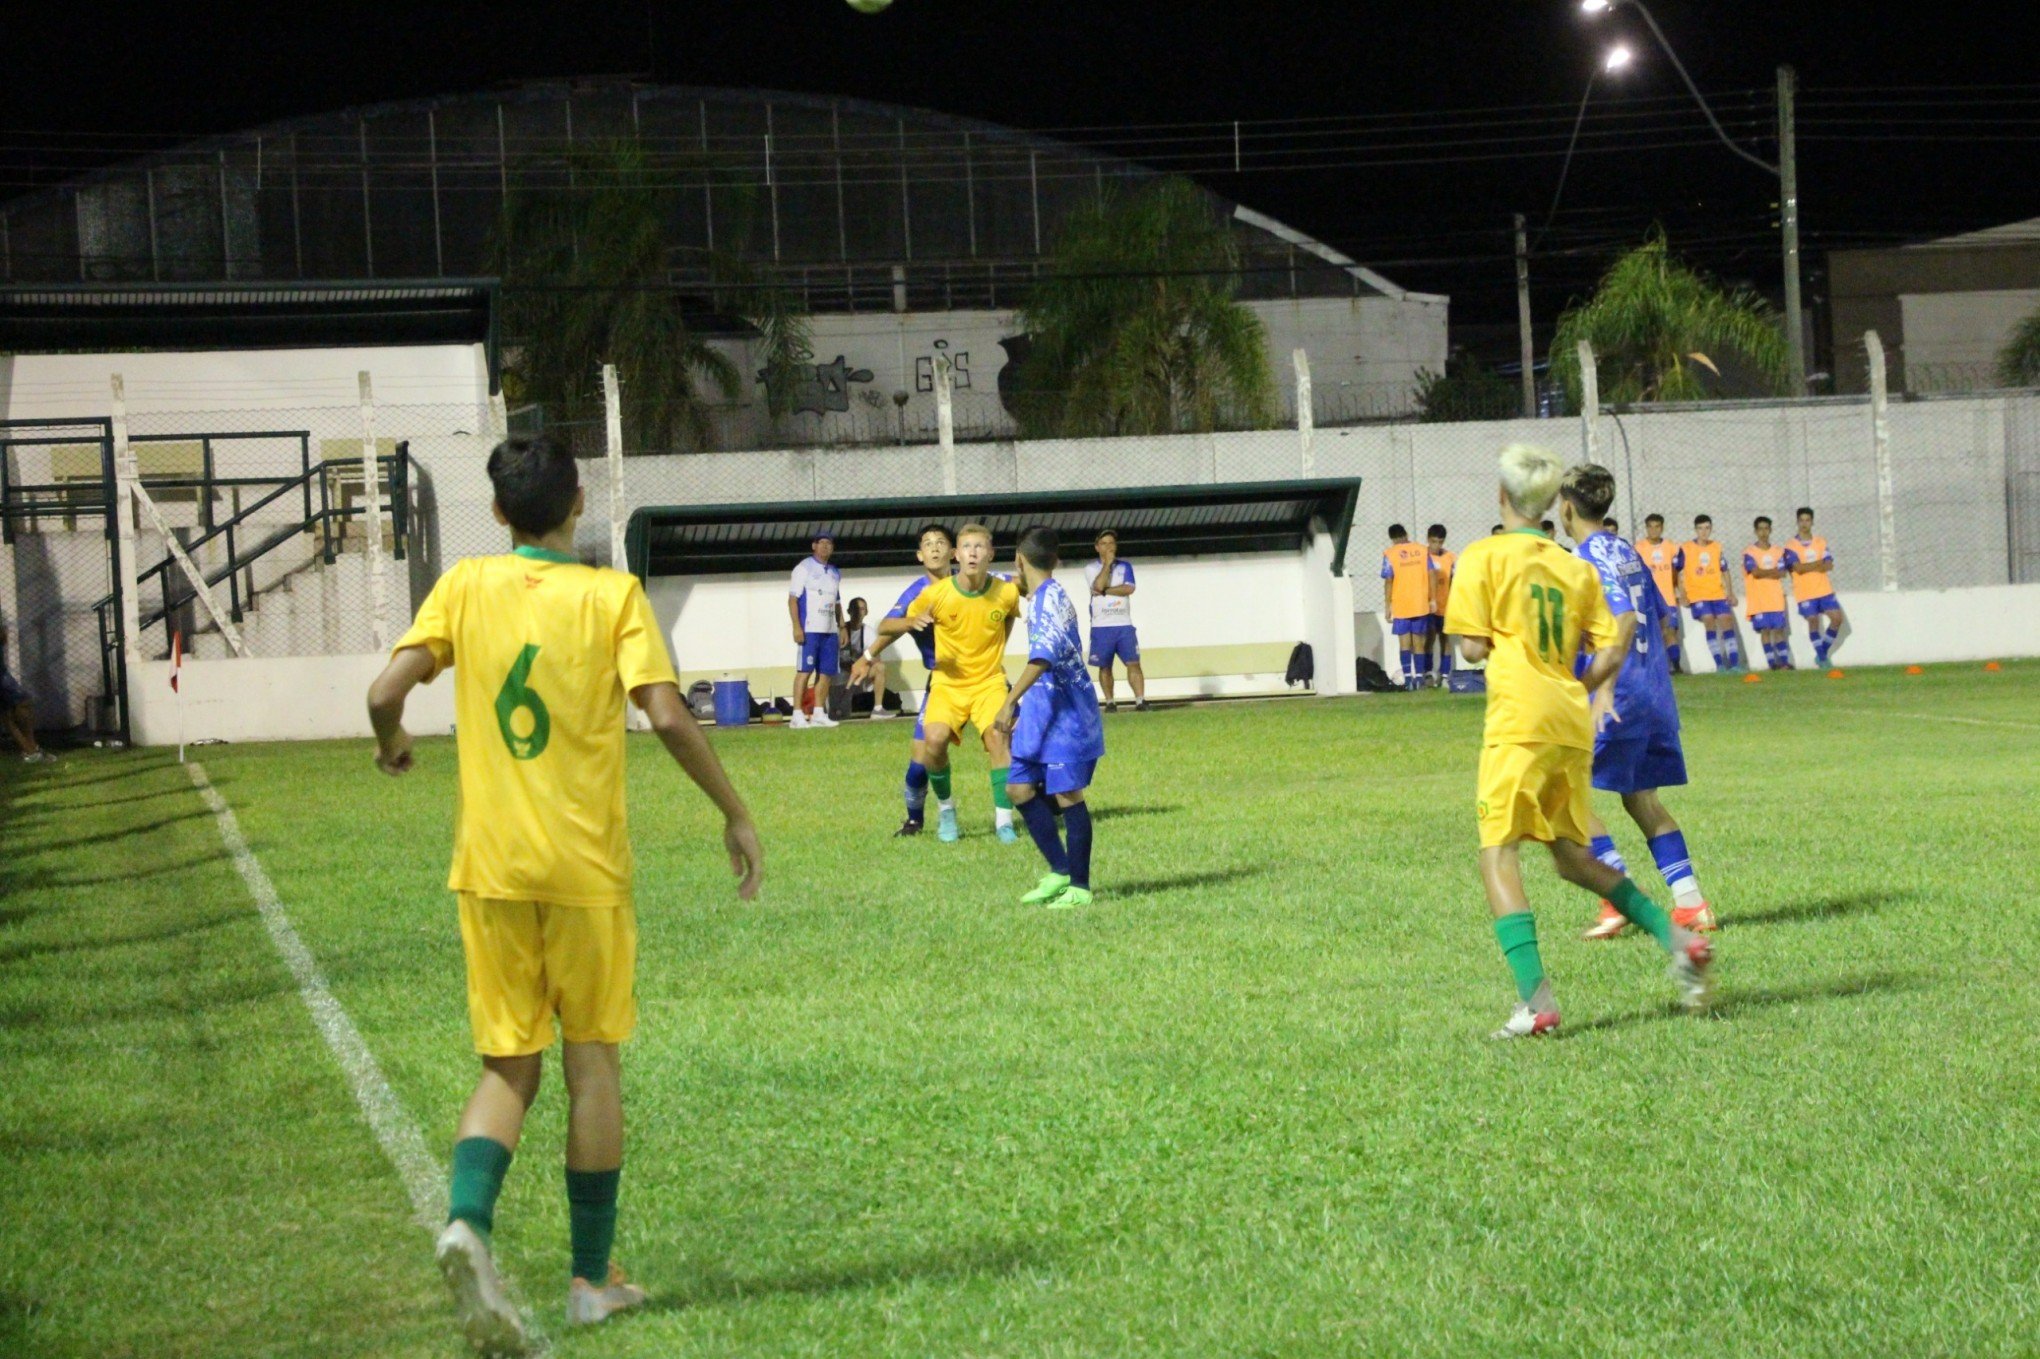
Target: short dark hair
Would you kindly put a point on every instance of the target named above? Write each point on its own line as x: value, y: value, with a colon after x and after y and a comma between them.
x: 1435, y: 531
x: 1103, y: 534
x: 1761, y: 521
x: 1398, y: 531
x: 1548, y: 526
x: 942, y: 529
x: 1700, y: 519
x: 535, y: 480
x: 1611, y: 523
x: 1039, y: 547
x: 1806, y: 510
x: 1496, y: 529
x: 1650, y: 519
x: 1589, y: 488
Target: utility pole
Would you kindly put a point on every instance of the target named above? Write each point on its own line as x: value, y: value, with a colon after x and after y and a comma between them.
x: 1529, y: 353
x: 1788, y: 213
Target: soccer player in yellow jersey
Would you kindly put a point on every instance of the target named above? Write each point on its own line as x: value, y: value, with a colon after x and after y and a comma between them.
x: 1526, y: 605
x: 972, y: 613
x: 544, y: 651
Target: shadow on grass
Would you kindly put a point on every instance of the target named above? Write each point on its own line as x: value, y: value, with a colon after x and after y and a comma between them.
x: 14, y: 915
x: 1183, y: 882
x: 1795, y: 912
x: 182, y: 1005
x: 45, y: 882
x: 123, y: 833
x: 65, y: 782
x: 1735, y: 1001
x: 18, y: 952
x: 710, y: 1288
x: 1115, y: 813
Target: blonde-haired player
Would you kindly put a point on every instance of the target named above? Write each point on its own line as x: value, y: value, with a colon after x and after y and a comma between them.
x: 1525, y: 605
x: 972, y: 613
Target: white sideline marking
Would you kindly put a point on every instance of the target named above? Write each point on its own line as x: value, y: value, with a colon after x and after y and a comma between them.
x: 1943, y: 717
x: 392, y: 1124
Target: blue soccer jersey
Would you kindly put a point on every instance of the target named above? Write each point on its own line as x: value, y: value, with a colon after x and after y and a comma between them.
x: 1058, y: 722
x: 1643, y: 691
x: 925, y: 638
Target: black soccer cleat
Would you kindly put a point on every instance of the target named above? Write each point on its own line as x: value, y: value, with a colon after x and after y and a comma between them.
x: 910, y: 826
x: 1141, y: 706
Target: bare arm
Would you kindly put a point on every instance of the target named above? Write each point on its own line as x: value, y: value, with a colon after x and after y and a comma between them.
x: 407, y: 670
x: 1473, y: 650
x: 682, y: 737
x: 793, y: 613
x: 1120, y: 590
x: 1007, y: 714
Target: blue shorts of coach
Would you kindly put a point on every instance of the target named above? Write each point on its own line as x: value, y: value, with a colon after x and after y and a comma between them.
x: 1110, y: 644
x: 820, y: 654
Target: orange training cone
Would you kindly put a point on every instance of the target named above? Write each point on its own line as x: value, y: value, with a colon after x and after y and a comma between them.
x: 1992, y: 665
x: 1752, y: 679
x: 1914, y: 670
x: 1834, y: 674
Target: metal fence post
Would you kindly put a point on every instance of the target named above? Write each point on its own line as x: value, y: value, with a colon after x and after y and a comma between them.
x: 371, y: 472
x: 1590, y: 404
x: 1880, y: 441
x: 612, y: 409
x: 1306, y: 416
x: 945, y: 424
x: 125, y: 477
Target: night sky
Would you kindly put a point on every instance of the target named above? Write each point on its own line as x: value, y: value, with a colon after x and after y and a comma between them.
x: 1404, y: 134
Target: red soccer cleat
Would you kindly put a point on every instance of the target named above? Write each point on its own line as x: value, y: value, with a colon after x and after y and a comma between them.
x: 1699, y: 919
x: 1525, y: 1022
x: 1611, y: 923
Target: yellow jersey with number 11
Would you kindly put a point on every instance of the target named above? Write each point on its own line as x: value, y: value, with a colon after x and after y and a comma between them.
x: 1536, y: 603
x: 544, y: 652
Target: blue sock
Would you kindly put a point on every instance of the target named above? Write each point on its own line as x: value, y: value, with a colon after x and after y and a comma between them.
x: 1077, y: 821
x: 1675, y: 865
x: 1834, y: 634
x: 1820, y: 644
x: 1423, y: 665
x: 1734, y: 651
x: 1445, y: 659
x: 1714, y: 650
x: 1676, y: 651
x: 1604, y: 849
x: 1039, y: 814
x: 917, y: 789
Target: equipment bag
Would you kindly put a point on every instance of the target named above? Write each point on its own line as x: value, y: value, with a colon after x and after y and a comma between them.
x: 1302, y: 666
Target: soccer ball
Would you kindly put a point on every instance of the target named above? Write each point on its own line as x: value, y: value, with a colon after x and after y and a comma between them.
x: 869, y: 6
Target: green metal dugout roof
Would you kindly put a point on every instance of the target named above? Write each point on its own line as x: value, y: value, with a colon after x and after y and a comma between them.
x: 1151, y: 521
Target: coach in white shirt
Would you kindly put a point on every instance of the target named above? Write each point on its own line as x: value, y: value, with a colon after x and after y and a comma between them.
x: 812, y: 604
x: 1112, y: 635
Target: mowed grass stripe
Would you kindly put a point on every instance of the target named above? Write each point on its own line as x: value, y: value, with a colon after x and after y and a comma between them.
x: 183, y: 1170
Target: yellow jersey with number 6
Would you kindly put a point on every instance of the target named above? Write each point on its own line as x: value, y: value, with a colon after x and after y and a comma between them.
x: 544, y: 653
x: 1536, y: 603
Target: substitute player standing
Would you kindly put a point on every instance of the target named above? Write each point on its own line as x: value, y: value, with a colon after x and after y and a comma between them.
x: 1110, y: 583
x: 1406, y: 571
x: 1052, y: 718
x: 1660, y: 557
x: 1808, y: 559
x: 936, y: 549
x: 1636, y: 748
x: 972, y: 614
x: 544, y: 651
x: 1764, y: 570
x: 812, y: 605
x: 1703, y: 579
x: 1525, y: 605
x: 1441, y: 595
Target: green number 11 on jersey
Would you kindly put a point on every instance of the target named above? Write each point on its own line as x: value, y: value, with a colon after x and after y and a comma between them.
x: 1547, y: 603
x: 520, y: 712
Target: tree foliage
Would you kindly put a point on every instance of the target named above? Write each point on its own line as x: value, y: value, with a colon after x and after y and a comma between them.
x: 1135, y: 327
x: 1466, y: 390
x: 1656, y: 325
x: 585, y: 268
x: 2018, y: 363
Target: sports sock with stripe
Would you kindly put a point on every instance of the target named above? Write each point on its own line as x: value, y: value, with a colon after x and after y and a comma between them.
x: 1676, y: 866
x: 917, y: 789
x: 1604, y: 849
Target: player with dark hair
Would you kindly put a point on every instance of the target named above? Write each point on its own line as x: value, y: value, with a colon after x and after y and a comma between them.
x: 812, y: 604
x: 1636, y: 735
x: 1109, y: 579
x: 1052, y: 717
x: 1808, y: 559
x: 1764, y: 572
x: 1702, y: 566
x: 1406, y: 571
x: 1660, y: 557
x: 1441, y: 594
x: 545, y: 652
x: 936, y: 549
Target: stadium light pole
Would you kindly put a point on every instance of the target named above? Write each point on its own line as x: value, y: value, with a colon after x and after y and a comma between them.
x: 1786, y: 171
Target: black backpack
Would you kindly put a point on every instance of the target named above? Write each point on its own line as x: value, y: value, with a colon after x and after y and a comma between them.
x: 1302, y: 668
x: 1372, y: 679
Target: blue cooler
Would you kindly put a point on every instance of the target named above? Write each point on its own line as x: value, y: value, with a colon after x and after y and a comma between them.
x: 732, y: 702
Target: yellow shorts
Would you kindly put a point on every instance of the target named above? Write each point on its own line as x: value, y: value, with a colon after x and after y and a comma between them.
x: 954, y: 708
x: 527, y: 962
x: 1539, y: 792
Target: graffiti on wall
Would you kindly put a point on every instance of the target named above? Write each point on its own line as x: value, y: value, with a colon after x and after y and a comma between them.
x: 820, y: 387
x: 959, y: 368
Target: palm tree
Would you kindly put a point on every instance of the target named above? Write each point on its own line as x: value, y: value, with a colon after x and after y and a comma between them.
x: 585, y: 282
x: 2018, y: 363
x: 1654, y: 322
x: 1135, y: 328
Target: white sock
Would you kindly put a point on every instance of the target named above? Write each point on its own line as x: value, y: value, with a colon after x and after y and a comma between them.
x: 947, y: 804
x: 1686, y: 891
x: 1002, y: 817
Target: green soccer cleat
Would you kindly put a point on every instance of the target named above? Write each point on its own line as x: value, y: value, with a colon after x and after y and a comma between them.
x: 946, y: 829
x: 1070, y: 897
x: 1051, y: 886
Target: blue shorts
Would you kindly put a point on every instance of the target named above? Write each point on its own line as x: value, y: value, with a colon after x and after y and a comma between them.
x: 1633, y: 761
x: 1674, y: 619
x: 12, y: 695
x: 1711, y: 608
x: 1814, y: 608
x: 1437, y: 622
x: 820, y: 654
x: 1769, y: 622
x: 1405, y: 627
x: 1052, y: 779
x: 1110, y: 644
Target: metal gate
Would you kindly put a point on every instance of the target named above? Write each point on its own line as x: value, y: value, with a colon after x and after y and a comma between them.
x: 59, y: 560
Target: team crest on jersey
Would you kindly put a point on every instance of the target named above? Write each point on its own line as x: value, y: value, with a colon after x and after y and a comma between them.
x: 998, y: 615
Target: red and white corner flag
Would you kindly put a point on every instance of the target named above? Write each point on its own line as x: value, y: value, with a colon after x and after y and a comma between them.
x: 176, y: 674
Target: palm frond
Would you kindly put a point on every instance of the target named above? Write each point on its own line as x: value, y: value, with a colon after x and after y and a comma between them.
x: 2018, y: 363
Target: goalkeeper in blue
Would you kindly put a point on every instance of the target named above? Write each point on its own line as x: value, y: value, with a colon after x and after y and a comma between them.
x: 1058, y: 738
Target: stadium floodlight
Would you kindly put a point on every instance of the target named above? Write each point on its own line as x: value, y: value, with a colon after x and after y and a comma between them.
x: 1617, y: 58
x: 1595, y: 6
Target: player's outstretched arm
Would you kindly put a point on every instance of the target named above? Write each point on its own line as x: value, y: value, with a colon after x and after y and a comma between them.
x: 682, y: 736
x: 407, y: 670
x: 1011, y: 709
x: 888, y: 631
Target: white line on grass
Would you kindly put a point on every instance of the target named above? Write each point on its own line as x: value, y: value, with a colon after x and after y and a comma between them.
x: 393, y: 1125
x: 1942, y: 717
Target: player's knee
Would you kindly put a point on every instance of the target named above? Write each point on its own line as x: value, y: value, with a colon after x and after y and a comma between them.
x: 521, y: 1074
x: 591, y: 1067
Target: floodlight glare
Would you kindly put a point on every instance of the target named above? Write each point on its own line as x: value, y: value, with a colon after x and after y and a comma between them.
x: 1618, y: 57
x: 1595, y: 6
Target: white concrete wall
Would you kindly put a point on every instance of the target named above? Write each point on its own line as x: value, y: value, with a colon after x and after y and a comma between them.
x: 1959, y: 330
x: 48, y: 386
x: 291, y: 698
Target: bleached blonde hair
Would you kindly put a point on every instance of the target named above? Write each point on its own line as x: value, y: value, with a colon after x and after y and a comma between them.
x: 1530, y: 477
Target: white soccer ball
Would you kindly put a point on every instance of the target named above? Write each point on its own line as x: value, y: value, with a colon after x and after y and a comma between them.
x: 868, y: 6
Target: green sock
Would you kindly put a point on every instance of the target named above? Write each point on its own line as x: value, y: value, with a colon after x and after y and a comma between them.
x: 1517, y: 934
x: 479, y: 1164
x: 938, y: 779
x: 591, y: 1218
x: 999, y: 798
x: 1641, y: 911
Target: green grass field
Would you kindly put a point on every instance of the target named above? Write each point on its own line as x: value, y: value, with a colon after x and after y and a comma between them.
x: 1242, y: 1106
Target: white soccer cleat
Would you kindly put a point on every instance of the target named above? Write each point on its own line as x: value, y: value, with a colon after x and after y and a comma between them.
x: 883, y: 714
x: 1525, y: 1022
x: 1691, y: 963
x: 1607, y: 925
x: 486, y: 1314
x: 822, y: 719
x: 799, y: 720
x: 587, y: 1304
